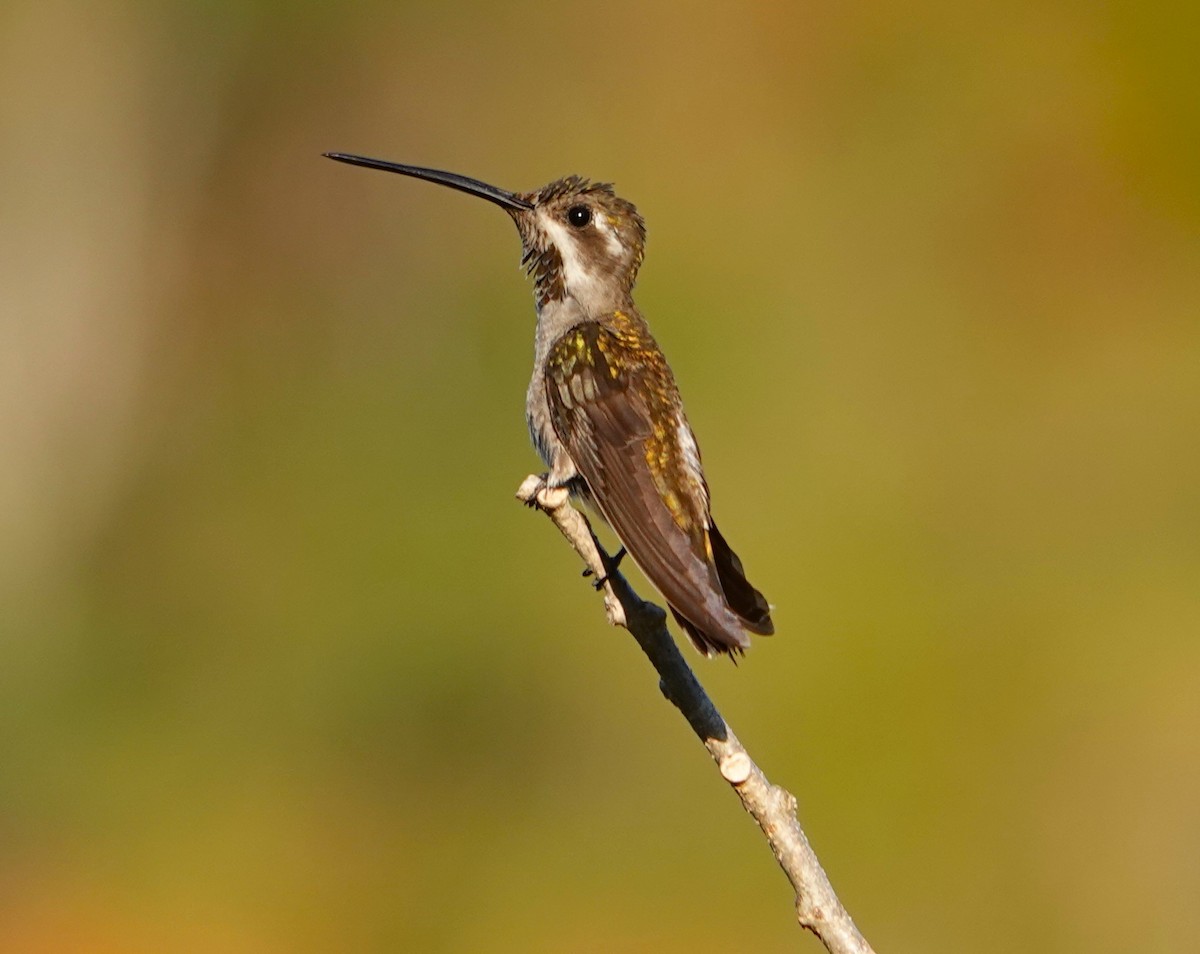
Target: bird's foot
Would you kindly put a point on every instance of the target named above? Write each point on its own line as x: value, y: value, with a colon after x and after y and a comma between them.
x: 537, y: 493
x: 531, y: 489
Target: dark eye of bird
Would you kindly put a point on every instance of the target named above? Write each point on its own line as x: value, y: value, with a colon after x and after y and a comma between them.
x: 579, y: 215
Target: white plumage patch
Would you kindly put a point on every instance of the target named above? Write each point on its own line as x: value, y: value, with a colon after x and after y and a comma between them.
x: 691, y: 458
x: 578, y: 280
x: 610, y: 235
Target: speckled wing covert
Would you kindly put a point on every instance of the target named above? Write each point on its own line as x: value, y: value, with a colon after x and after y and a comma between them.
x: 614, y: 405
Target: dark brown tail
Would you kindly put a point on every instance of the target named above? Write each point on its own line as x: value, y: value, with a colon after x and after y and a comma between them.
x: 709, y: 645
x: 750, y: 605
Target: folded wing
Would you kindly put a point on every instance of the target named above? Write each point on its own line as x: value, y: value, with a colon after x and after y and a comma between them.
x: 614, y: 405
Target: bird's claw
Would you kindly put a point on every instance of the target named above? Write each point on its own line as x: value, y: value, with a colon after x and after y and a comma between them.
x: 531, y: 501
x: 611, y: 563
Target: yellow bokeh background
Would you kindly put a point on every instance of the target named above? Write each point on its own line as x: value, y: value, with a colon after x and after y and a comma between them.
x: 285, y: 668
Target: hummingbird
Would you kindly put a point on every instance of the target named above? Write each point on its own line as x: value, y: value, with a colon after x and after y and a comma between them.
x: 603, y: 408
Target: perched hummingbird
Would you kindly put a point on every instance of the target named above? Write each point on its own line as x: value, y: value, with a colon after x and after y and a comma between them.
x: 603, y: 408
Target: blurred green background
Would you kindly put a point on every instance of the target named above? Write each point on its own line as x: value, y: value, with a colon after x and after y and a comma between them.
x: 284, y: 667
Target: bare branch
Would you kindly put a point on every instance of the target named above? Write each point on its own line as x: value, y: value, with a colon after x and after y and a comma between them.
x: 773, y: 808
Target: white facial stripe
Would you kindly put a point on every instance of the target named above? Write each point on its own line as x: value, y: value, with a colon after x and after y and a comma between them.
x: 609, y: 233
x: 575, y: 275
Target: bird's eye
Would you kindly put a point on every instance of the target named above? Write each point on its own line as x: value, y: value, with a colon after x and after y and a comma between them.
x: 579, y: 215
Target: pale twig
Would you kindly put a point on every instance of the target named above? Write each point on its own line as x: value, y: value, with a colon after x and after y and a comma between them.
x: 773, y: 808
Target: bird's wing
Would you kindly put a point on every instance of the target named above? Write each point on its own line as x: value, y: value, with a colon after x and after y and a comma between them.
x: 614, y: 405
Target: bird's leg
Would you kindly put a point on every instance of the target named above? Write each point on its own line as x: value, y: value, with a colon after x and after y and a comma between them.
x: 542, y: 493
x: 530, y: 491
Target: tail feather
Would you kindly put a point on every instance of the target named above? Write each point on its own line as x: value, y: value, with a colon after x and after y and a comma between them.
x: 747, y: 603
x: 708, y: 645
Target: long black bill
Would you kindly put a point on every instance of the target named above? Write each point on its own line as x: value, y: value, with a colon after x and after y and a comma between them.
x: 504, y: 199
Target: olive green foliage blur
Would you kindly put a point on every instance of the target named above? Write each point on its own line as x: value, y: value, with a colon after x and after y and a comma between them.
x: 284, y: 667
